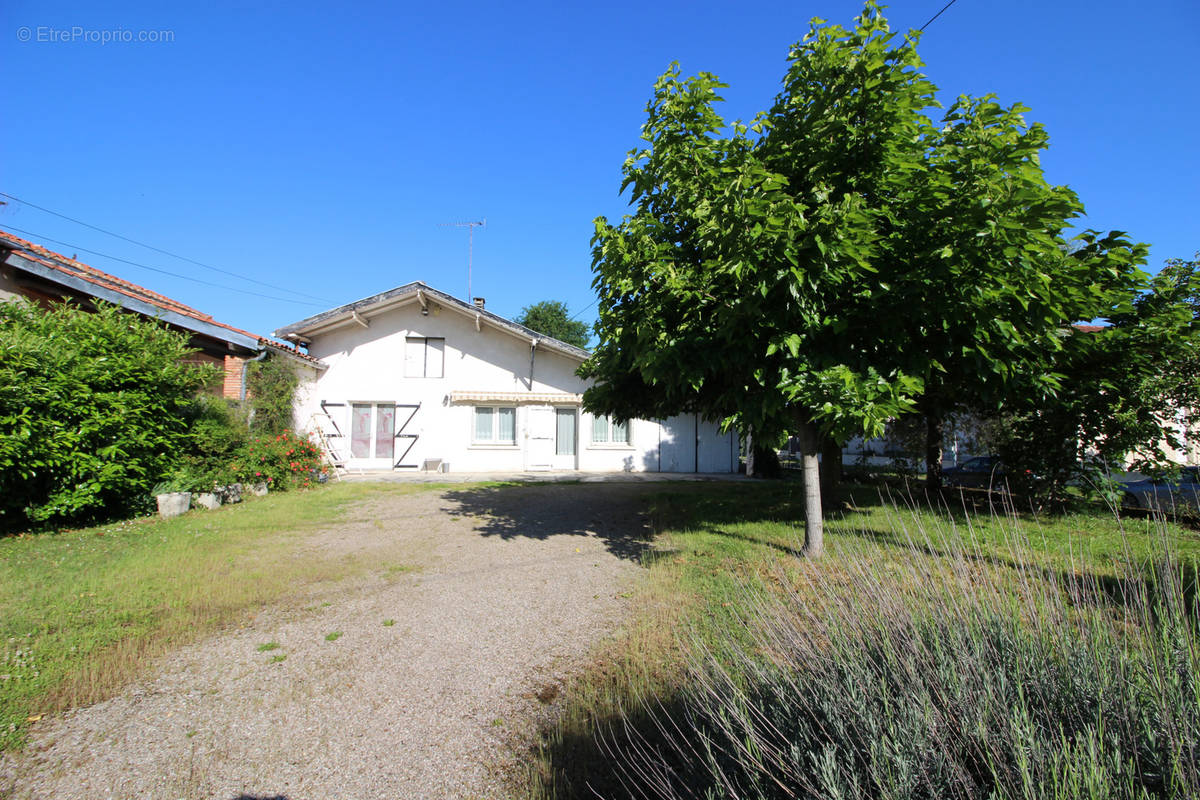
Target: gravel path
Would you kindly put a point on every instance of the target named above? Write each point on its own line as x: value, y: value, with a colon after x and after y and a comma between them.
x: 512, y: 587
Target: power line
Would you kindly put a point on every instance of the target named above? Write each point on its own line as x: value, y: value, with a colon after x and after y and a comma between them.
x: 935, y: 16
x: 160, y: 271
x: 159, y: 250
x: 578, y: 313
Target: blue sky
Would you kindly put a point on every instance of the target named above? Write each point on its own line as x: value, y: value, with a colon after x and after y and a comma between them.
x: 320, y: 148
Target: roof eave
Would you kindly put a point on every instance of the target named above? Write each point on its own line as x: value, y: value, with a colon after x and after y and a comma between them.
x: 18, y: 261
x: 319, y: 323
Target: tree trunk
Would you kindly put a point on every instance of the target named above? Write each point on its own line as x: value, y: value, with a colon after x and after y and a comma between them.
x: 814, y: 523
x: 934, y: 434
x: 831, y: 467
x: 766, y: 463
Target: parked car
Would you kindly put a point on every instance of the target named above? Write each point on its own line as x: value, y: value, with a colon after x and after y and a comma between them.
x: 981, y: 472
x: 1169, y: 496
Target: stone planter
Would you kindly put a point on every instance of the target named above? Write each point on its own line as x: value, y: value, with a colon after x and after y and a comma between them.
x: 209, y: 500
x: 172, y: 504
x: 230, y: 494
x: 259, y: 489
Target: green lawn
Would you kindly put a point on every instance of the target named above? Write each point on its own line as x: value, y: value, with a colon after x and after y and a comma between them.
x: 82, y: 611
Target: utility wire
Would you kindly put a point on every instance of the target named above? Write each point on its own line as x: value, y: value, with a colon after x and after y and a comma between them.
x: 161, y: 271
x: 935, y: 16
x: 158, y: 250
x: 577, y: 314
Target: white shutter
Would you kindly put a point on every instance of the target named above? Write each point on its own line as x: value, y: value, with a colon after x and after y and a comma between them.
x: 414, y: 357
x: 435, y: 357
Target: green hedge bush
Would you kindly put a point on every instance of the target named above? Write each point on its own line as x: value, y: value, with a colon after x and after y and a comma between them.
x: 93, y: 412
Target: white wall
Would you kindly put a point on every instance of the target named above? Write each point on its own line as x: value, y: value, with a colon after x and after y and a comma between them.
x: 368, y: 365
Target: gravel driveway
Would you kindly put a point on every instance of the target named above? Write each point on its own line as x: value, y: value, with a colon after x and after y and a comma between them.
x: 511, y: 587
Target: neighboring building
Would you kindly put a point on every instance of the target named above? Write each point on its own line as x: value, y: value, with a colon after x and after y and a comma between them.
x: 418, y: 379
x: 43, y: 276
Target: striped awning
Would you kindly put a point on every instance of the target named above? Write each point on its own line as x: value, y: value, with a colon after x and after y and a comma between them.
x: 518, y: 398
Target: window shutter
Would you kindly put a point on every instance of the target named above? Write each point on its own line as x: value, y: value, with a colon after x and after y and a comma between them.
x: 435, y: 357
x: 414, y: 357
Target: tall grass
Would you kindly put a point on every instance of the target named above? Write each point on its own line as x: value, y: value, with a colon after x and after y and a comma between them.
x: 941, y: 667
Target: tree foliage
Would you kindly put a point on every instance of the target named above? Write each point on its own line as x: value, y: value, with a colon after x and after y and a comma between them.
x: 1129, y: 389
x: 551, y: 318
x: 840, y: 260
x: 270, y: 395
x: 93, y: 411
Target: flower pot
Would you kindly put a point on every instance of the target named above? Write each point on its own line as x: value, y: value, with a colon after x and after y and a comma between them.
x: 172, y: 504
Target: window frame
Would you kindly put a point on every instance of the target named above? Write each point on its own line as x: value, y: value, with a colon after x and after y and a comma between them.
x: 495, y: 441
x: 610, y: 443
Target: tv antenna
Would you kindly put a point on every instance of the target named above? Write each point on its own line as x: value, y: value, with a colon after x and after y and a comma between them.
x: 470, y: 226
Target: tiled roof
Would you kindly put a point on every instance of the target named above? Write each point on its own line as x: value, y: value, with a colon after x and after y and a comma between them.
x: 69, y: 267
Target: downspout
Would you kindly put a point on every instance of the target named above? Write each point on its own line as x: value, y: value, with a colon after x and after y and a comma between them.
x: 533, y: 343
x: 696, y: 451
x: 245, y: 366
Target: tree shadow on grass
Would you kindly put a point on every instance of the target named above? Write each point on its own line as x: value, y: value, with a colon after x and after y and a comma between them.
x: 619, y: 755
x: 614, y: 514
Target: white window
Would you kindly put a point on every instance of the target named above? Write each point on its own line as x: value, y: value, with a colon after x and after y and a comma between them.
x: 495, y: 425
x: 424, y: 357
x: 606, y: 431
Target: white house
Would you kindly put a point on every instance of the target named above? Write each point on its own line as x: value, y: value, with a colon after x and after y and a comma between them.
x: 416, y: 379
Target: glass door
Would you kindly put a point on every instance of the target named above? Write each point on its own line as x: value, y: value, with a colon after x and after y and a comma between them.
x: 566, y: 434
x: 372, y: 435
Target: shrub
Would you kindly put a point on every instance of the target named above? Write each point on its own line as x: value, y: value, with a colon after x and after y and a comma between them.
x: 885, y: 681
x: 284, y: 461
x: 217, y: 434
x: 93, y: 411
x: 271, y: 390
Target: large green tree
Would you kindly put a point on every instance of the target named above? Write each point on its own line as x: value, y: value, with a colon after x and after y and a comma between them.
x: 740, y: 287
x: 552, y: 318
x: 840, y: 260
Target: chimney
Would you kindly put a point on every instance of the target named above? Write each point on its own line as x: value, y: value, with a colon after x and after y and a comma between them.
x: 479, y: 301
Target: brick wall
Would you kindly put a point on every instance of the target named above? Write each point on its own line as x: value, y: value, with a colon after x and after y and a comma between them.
x: 232, y: 388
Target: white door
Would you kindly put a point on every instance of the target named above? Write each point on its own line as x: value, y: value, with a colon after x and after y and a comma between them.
x: 566, y: 437
x: 539, y: 438
x: 372, y: 435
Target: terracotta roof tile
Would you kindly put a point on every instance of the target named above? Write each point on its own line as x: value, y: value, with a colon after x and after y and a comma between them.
x: 78, y: 269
